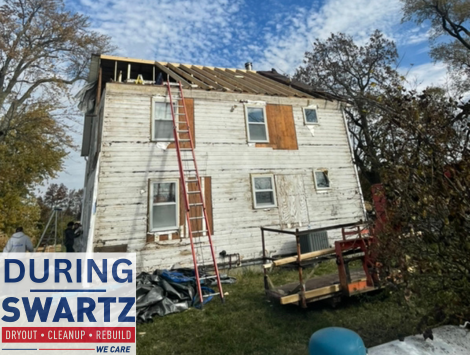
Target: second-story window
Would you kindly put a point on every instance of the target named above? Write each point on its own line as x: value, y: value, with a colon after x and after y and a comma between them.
x: 256, y: 124
x: 162, y: 121
x: 310, y: 115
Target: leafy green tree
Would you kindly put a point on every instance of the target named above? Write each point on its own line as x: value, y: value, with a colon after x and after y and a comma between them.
x: 28, y: 155
x: 425, y: 152
x: 44, y: 49
x: 358, y: 74
x: 447, y: 18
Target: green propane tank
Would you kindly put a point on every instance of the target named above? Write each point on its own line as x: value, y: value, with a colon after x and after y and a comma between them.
x: 336, y: 341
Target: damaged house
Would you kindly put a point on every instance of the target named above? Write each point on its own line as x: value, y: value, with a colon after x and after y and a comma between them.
x: 270, y: 152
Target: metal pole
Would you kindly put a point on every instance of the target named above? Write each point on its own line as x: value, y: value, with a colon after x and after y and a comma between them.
x: 303, y: 301
x: 55, y: 234
x: 266, y: 285
x: 45, y: 230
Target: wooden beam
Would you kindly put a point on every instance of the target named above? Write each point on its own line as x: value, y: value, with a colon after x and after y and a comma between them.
x: 187, y: 76
x: 311, y: 294
x: 173, y: 75
x: 98, y: 90
x: 266, y: 89
x: 279, y: 86
x: 218, y: 79
x: 293, y: 259
x: 201, y: 76
x: 235, y: 81
x: 125, y: 59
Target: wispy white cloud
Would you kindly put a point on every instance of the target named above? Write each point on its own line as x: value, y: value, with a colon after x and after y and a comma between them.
x: 193, y: 31
x: 358, y: 18
x: 228, y: 33
x: 424, y: 75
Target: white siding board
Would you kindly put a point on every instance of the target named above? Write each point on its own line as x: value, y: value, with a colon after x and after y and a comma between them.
x: 129, y: 159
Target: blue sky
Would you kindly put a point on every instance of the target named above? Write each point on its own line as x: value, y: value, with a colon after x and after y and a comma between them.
x: 228, y: 33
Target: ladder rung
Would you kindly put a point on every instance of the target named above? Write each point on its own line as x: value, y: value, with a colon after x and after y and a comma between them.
x: 181, y: 122
x: 183, y: 131
x: 184, y: 140
x: 201, y: 231
x: 194, y: 192
x: 187, y: 159
x: 191, y: 218
x: 195, y: 204
x: 208, y: 277
x: 185, y: 149
x: 211, y: 294
x: 174, y: 84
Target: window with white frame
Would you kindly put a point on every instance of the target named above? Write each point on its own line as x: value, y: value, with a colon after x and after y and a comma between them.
x: 163, y: 205
x: 256, y: 124
x: 264, y: 193
x: 322, y: 181
x: 162, y: 120
x: 310, y: 115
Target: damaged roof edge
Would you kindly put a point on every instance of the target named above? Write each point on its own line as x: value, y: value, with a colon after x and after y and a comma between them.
x: 94, y: 68
x: 224, y: 79
x: 298, y: 85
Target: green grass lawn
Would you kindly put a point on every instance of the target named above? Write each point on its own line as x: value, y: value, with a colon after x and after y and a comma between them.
x: 248, y: 324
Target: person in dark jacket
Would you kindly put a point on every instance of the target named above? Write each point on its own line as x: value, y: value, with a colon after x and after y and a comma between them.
x: 69, y: 237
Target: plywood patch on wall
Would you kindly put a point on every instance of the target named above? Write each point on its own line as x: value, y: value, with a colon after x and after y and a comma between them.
x: 281, y: 128
x: 292, y: 202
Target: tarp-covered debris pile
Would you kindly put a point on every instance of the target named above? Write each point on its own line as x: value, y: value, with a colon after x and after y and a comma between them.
x: 165, y: 292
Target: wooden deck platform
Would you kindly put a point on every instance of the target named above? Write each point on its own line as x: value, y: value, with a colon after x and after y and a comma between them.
x: 316, y: 289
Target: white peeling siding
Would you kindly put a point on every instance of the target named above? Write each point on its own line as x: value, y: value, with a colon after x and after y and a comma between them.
x: 128, y: 160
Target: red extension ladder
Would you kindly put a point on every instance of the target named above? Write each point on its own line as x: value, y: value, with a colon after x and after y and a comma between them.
x: 195, y: 208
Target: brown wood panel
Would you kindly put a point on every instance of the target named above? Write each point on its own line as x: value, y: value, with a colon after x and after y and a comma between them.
x: 182, y: 213
x: 195, y: 211
x: 288, y: 134
x: 281, y: 128
x: 189, y: 103
x: 196, y: 224
x: 208, y: 202
x: 122, y: 248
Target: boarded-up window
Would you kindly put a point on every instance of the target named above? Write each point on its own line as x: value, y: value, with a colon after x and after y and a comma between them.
x: 197, y: 223
x: 281, y: 128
